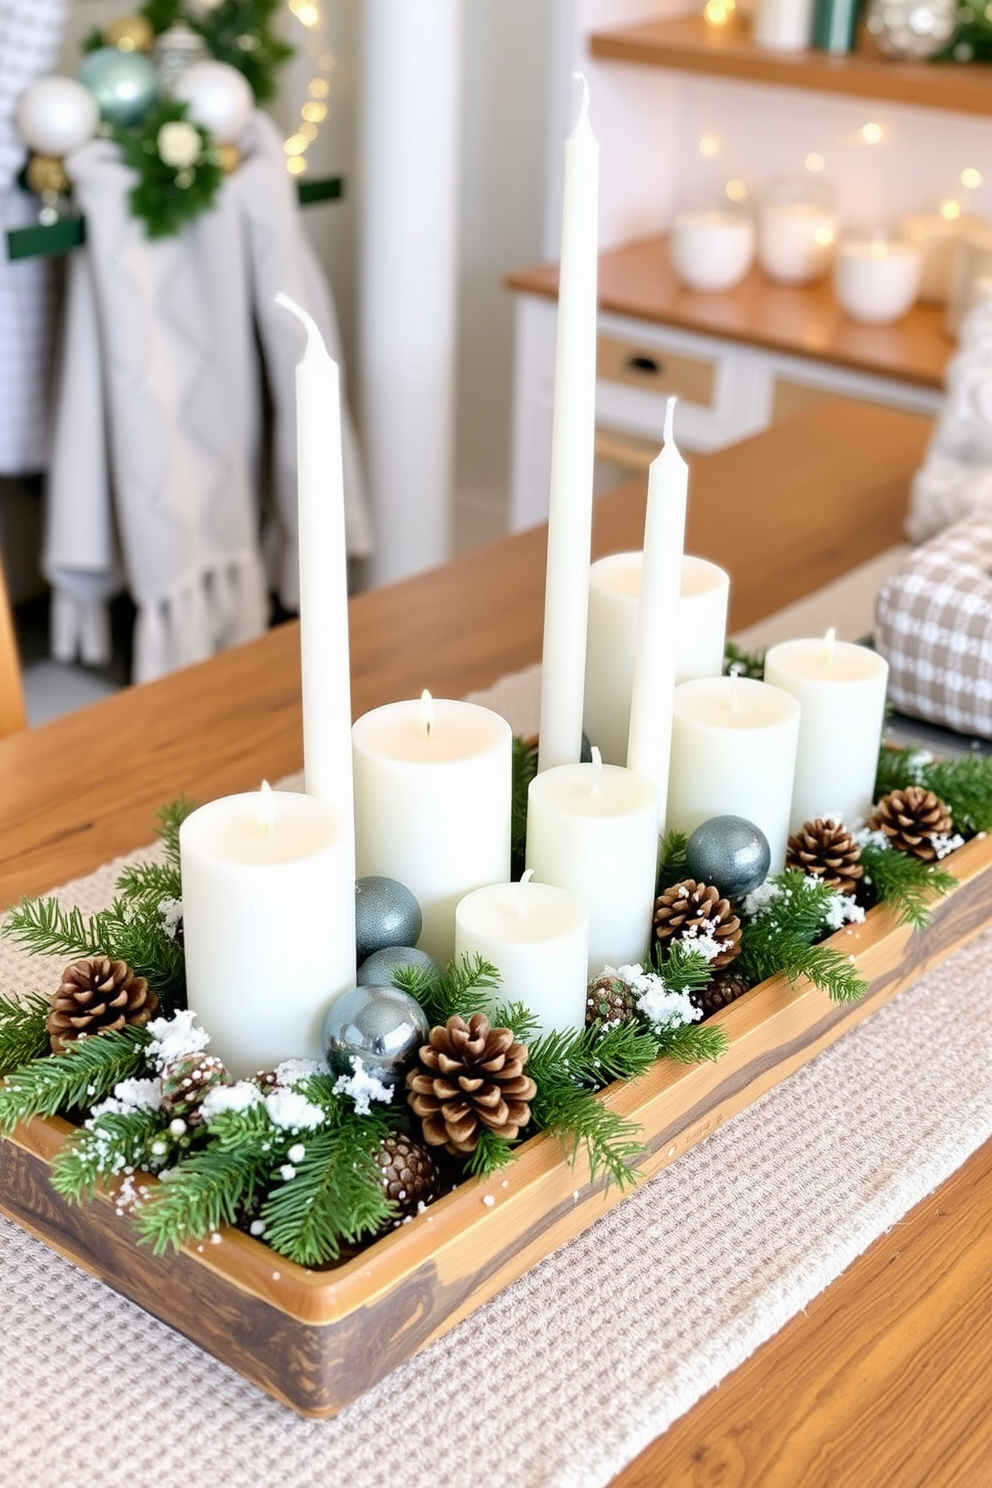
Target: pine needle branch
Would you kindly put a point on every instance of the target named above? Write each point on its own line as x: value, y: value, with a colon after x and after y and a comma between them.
x: 674, y: 865
x: 493, y: 1153
x: 45, y: 928
x: 170, y: 818
x: 905, y: 883
x: 462, y: 988
x: 524, y: 770
x: 681, y: 968
x: 113, y: 1143
x: 23, y: 1030
x: 83, y: 1074
x: 785, y: 951
x: 691, y: 1043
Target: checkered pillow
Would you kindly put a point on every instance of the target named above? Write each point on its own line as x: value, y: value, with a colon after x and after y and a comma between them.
x: 933, y: 623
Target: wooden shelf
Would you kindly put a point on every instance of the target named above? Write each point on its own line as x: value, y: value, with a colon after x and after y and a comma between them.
x: 637, y: 280
x: 689, y: 45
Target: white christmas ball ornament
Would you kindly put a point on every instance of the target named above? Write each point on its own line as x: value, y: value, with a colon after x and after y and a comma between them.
x: 55, y: 115
x: 219, y: 99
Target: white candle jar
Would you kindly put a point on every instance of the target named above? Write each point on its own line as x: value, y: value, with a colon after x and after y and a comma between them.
x: 783, y: 25
x: 712, y: 248
x: 876, y: 280
x: 936, y: 237
x: 268, y: 923
x: 734, y: 743
x: 537, y: 937
x: 797, y: 231
x: 840, y: 688
x: 432, y: 805
x: 593, y: 830
x: 970, y: 271
x: 611, y: 644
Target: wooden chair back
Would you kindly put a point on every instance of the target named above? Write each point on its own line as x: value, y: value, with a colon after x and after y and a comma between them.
x: 13, y: 716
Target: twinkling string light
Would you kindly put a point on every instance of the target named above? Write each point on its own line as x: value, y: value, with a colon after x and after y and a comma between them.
x: 314, y: 111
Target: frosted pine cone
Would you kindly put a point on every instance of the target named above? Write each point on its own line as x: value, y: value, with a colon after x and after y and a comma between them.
x: 826, y: 850
x: 470, y: 1078
x: 911, y: 819
x: 694, y: 912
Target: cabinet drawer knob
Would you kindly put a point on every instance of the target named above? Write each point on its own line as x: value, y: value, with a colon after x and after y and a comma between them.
x: 646, y: 366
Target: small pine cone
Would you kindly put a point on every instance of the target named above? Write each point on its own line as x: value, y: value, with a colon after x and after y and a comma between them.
x: 185, y: 1081
x: 98, y: 996
x: 691, y: 911
x: 825, y: 849
x: 470, y: 1076
x: 719, y: 993
x: 408, y: 1172
x: 911, y: 819
x: 609, y: 1000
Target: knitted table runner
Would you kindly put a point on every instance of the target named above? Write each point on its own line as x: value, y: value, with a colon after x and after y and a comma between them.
x: 565, y: 1376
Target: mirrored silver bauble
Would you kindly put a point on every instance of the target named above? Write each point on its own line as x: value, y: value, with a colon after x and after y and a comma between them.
x: 124, y: 84
x: 731, y: 853
x: 377, y: 970
x: 386, y: 914
x: 382, y: 1026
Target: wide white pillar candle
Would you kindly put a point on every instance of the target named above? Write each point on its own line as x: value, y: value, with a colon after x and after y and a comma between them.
x: 840, y: 688
x: 324, y: 644
x: 783, y: 25
x: 876, y: 280
x: 593, y: 829
x: 433, y: 780
x: 268, y: 923
x: 611, y: 643
x: 572, y: 454
x: 797, y: 233
x: 734, y: 743
x: 537, y: 937
x: 712, y: 248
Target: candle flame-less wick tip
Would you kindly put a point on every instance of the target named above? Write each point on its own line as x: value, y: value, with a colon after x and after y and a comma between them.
x: 525, y: 879
x: 597, y: 769
x: 580, y: 77
x: 314, y: 338
x: 669, y: 429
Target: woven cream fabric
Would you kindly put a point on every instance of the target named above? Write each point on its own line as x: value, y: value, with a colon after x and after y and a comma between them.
x: 606, y: 1342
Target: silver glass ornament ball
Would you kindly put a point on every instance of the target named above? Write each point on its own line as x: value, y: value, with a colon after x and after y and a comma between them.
x: 386, y: 914
x: 377, y: 970
x: 124, y: 84
x: 382, y: 1026
x: 729, y: 852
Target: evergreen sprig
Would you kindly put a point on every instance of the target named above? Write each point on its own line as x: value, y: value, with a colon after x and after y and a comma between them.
x: 673, y: 864
x: 524, y: 770
x: 167, y: 197
x: 463, y: 988
x: 681, y: 968
x: 111, y: 1143
x: 84, y: 1073
x: 746, y: 663
x: 23, y: 1030
x: 904, y: 882
x: 781, y: 936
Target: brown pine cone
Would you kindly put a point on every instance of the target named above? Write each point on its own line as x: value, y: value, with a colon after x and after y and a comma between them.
x: 719, y: 993
x: 185, y: 1081
x: 911, y: 819
x: 609, y: 1000
x: 470, y: 1076
x: 690, y: 910
x: 408, y: 1172
x: 97, y: 996
x: 825, y: 849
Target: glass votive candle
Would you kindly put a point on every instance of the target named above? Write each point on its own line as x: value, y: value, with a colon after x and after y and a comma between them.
x: 797, y: 231
x: 712, y: 247
x: 876, y: 280
x: 936, y: 236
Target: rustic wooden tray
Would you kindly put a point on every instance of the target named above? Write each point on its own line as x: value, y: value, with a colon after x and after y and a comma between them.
x: 317, y: 1339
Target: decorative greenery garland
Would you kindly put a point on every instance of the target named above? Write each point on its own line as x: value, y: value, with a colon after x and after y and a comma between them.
x: 236, y: 31
x: 179, y: 170
x: 294, y: 1155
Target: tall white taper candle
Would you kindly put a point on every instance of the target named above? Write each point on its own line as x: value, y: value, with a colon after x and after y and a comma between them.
x: 324, y: 649
x: 649, y: 743
x: 573, y: 427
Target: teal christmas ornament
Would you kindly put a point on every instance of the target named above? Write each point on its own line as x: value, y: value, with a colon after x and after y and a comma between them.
x: 124, y: 84
x: 729, y: 852
x: 386, y: 914
x: 377, y: 970
x: 382, y: 1026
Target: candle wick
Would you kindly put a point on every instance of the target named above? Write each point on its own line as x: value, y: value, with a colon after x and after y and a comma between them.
x: 521, y: 894
x: 829, y: 644
x: 736, y: 668
x: 580, y: 77
x: 597, y: 771
x: 669, y: 429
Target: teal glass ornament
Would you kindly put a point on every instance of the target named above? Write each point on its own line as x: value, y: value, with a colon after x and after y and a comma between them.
x: 729, y: 852
x: 124, y: 84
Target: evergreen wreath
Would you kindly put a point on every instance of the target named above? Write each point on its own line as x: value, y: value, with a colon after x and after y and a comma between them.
x: 178, y: 168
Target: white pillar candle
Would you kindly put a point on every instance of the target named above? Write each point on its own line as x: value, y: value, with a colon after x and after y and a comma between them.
x: 593, y: 830
x: 324, y: 648
x: 840, y: 688
x: 783, y: 25
x: 712, y: 249
x: 432, y: 804
x: 268, y: 923
x: 796, y: 240
x: 614, y: 607
x: 936, y: 236
x: 572, y: 455
x: 650, y: 739
x: 734, y: 744
x: 876, y: 280
x: 537, y: 937
x: 972, y: 267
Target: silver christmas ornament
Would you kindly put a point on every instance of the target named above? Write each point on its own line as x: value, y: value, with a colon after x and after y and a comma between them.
x: 729, y: 852
x: 911, y: 28
x: 377, y: 970
x: 386, y: 914
x: 174, y: 52
x: 382, y: 1026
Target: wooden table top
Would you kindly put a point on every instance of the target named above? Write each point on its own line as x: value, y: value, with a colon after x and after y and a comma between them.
x: 898, y: 1350
x: 638, y: 280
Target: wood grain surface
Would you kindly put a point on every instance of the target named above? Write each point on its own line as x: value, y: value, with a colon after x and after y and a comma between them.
x: 638, y: 280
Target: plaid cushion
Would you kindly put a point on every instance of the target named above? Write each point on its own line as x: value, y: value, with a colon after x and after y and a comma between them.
x: 933, y: 624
